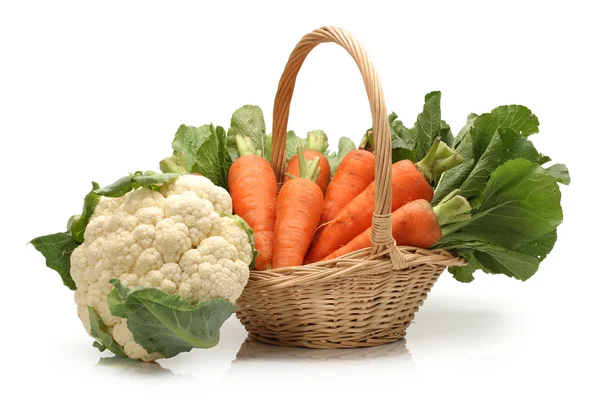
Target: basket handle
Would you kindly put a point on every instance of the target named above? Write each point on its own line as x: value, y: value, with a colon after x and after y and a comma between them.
x: 381, y: 234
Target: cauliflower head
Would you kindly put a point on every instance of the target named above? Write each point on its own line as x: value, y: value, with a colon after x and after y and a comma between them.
x: 181, y: 240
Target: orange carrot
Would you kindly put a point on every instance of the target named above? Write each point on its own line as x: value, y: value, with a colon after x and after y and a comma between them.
x: 298, y: 209
x: 354, y: 174
x: 415, y: 224
x: 253, y: 190
x: 294, y: 168
x: 409, y: 182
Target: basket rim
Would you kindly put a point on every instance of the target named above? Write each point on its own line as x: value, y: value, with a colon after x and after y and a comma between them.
x: 358, y: 263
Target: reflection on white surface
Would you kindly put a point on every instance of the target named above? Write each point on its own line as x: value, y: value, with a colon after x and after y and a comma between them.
x: 254, y: 350
x: 133, y: 368
x: 263, y: 360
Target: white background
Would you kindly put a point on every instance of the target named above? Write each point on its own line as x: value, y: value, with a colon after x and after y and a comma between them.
x: 92, y: 91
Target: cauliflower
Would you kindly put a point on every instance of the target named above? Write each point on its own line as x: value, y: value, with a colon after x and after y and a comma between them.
x: 181, y: 240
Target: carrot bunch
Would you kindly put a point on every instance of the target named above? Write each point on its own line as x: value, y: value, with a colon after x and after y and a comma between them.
x: 410, y: 182
x: 316, y: 217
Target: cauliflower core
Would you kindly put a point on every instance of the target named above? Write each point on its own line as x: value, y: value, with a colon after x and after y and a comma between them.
x: 175, y: 240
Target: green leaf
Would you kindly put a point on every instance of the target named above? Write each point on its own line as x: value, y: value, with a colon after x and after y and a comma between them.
x: 103, y: 339
x: 344, y: 147
x: 247, y: 121
x: 292, y: 142
x: 167, y: 323
x: 206, y: 151
x: 516, y: 117
x: 428, y: 123
x: 404, y: 142
x: 119, y: 188
x: 491, y: 258
x: 445, y: 133
x: 539, y: 247
x: 505, y: 144
x: 464, y: 274
x: 414, y: 143
x: 269, y: 147
x: 560, y: 173
x: 520, y: 202
x: 485, y: 143
x: 153, y: 180
x: 514, y: 227
x: 466, y: 129
x: 57, y: 249
x: 126, y: 184
x: 79, y: 225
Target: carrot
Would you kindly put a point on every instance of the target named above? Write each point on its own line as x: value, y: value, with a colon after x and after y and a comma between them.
x: 298, y: 209
x: 415, y: 224
x: 293, y: 168
x: 354, y: 174
x: 253, y: 190
x: 408, y: 184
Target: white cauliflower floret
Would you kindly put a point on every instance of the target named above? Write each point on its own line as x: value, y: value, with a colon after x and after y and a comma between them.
x: 204, y: 189
x: 175, y: 241
x: 172, y: 239
x: 212, y: 270
x: 107, y: 206
x: 197, y: 214
x: 233, y: 232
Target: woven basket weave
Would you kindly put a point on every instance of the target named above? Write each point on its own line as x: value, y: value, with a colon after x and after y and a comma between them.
x: 365, y: 298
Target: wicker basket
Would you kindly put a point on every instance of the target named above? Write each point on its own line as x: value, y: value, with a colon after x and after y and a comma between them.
x: 365, y: 298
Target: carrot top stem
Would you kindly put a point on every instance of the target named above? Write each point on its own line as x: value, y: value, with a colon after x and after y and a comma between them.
x: 439, y: 159
x: 308, y: 170
x: 245, y: 146
x: 368, y: 141
x: 452, y: 209
x: 174, y: 164
x: 317, y: 140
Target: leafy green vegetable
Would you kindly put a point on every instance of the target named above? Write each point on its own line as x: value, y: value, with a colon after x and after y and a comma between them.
x: 414, y: 143
x: 486, y: 142
x: 427, y: 126
x: 104, y: 340
x: 57, y: 249
x: 206, y: 151
x: 514, y: 226
x: 167, y: 323
x: 247, y: 121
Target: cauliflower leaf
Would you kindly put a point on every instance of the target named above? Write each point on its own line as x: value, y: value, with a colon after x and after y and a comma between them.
x: 57, y: 249
x: 168, y: 324
x: 104, y: 340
